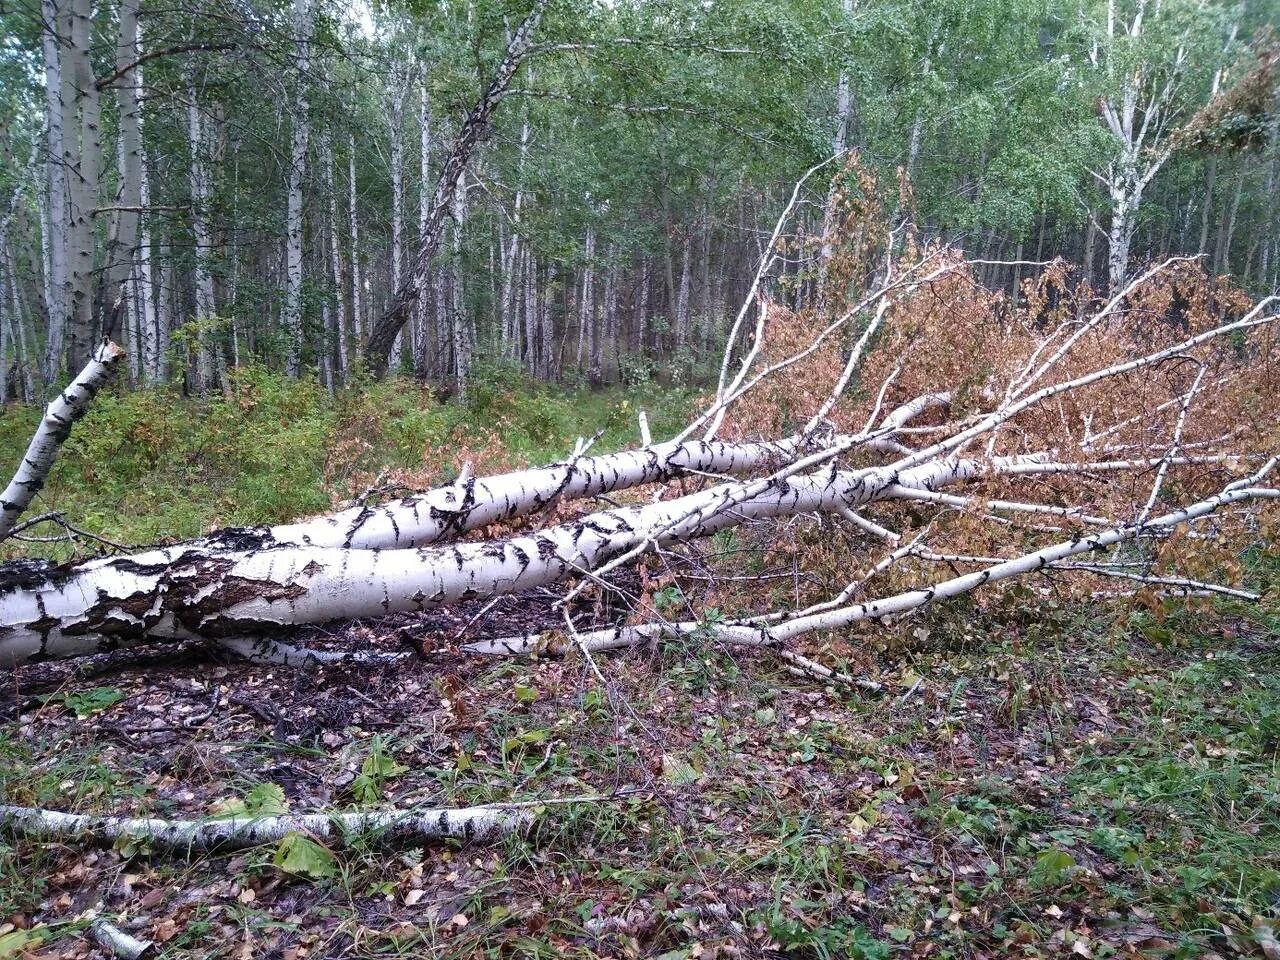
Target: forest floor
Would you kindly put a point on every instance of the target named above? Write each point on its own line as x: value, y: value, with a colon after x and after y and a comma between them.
x: 1074, y: 787
x: 1030, y: 782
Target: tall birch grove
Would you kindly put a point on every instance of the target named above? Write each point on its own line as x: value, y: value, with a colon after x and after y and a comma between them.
x: 578, y: 190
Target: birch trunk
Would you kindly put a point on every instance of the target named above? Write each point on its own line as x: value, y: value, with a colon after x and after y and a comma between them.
x: 122, y: 252
x: 202, y: 373
x: 335, y: 260
x: 399, y: 92
x: 353, y: 229
x: 460, y: 823
x: 208, y: 590
x: 55, y: 31
x: 302, y: 21
x: 421, y: 317
x: 460, y: 326
x: 61, y: 414
x: 84, y: 155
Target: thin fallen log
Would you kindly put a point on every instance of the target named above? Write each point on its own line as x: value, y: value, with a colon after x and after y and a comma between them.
x: 120, y: 944
x: 446, y: 512
x: 774, y: 635
x: 469, y: 824
x: 61, y: 414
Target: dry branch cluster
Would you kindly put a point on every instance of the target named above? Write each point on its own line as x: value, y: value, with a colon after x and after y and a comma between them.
x: 948, y: 436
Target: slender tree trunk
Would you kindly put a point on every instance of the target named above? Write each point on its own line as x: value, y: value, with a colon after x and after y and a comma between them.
x: 206, y: 307
x: 1222, y: 250
x: 86, y: 163
x: 55, y: 213
x: 353, y: 228
x: 399, y: 93
x: 1206, y: 208
x: 420, y: 313
x: 461, y: 332
x: 839, y: 143
x: 339, y: 314
x: 682, y: 301
x: 122, y: 251
x: 302, y: 20
x: 144, y: 299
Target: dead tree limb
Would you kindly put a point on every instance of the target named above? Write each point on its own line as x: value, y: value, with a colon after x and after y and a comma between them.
x: 392, y: 826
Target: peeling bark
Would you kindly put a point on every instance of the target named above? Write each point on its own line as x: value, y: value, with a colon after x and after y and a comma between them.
x: 241, y: 584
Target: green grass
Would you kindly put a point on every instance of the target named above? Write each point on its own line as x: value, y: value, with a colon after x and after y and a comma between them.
x: 147, y: 465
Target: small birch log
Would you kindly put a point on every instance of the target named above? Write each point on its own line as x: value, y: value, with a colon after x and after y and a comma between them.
x: 461, y: 823
x: 112, y: 938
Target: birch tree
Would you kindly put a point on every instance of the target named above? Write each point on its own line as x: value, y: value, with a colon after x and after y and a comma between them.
x: 302, y: 25
x: 1147, y: 83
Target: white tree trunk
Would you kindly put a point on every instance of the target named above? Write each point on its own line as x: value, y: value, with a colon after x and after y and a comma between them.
x: 302, y: 20
x: 421, y: 322
x: 84, y: 154
x: 202, y: 374
x: 335, y: 261
x: 353, y: 228
x: 456, y: 823
x: 55, y: 212
x: 460, y: 325
x: 63, y: 411
x: 449, y: 511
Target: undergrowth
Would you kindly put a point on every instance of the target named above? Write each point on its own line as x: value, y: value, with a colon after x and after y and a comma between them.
x: 149, y: 465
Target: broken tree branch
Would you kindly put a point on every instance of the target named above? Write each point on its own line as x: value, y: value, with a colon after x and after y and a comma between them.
x: 63, y: 411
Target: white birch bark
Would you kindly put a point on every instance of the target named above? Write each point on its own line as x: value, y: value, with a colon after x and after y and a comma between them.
x: 201, y: 189
x: 420, y: 312
x: 353, y: 228
x: 55, y: 210
x: 61, y: 414
x: 399, y: 93
x: 460, y: 325
x: 84, y: 154
x: 302, y: 22
x: 839, y: 144
x: 122, y: 250
x: 335, y: 260
x: 392, y: 826
x: 449, y: 511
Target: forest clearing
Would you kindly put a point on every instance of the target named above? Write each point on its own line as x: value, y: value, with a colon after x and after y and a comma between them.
x: 652, y: 479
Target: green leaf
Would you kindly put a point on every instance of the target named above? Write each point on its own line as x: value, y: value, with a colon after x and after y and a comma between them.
x: 16, y: 941
x: 678, y: 772
x: 526, y: 695
x: 380, y: 765
x: 1052, y: 866
x: 262, y: 799
x: 87, y: 703
x: 303, y: 857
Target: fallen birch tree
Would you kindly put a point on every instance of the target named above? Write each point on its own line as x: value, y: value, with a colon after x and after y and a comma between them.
x: 926, y: 406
